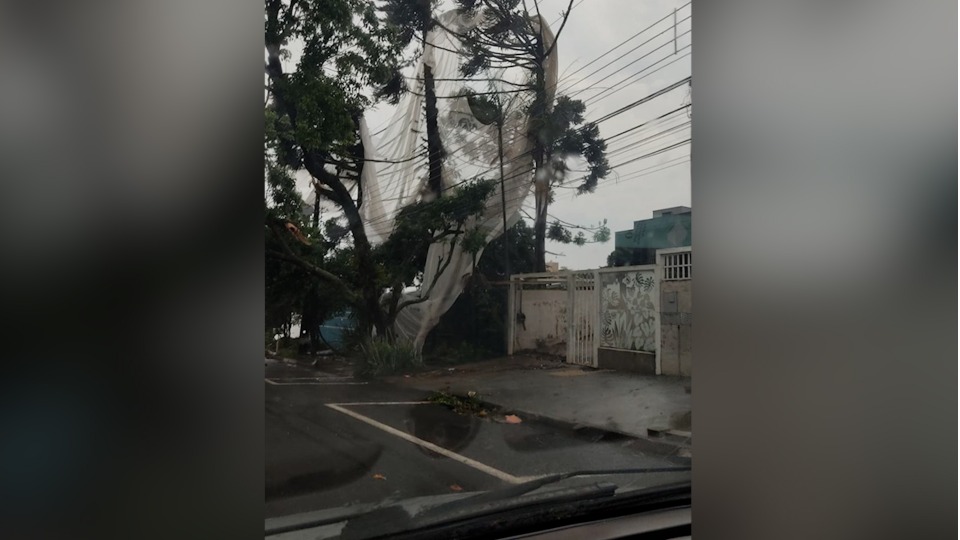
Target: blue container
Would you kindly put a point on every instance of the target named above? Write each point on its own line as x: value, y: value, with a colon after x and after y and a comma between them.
x: 334, y: 330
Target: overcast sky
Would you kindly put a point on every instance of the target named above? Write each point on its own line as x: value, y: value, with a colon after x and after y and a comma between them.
x: 635, y: 190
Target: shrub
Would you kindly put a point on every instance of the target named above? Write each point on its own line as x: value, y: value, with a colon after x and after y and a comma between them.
x: 471, y: 404
x: 378, y: 356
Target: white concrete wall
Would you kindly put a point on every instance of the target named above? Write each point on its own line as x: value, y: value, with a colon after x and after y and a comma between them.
x: 546, y: 319
x: 676, y: 338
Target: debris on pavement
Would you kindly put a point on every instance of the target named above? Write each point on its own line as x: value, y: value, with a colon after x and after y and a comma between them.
x: 512, y: 419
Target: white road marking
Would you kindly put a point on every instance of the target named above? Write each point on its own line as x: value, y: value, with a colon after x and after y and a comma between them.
x: 315, y: 383
x: 497, y: 473
x: 381, y: 403
x: 331, y: 378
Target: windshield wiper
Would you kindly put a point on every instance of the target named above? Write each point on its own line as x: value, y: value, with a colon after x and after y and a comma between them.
x: 393, y: 521
x: 395, y: 517
x: 390, y: 520
x: 527, y: 487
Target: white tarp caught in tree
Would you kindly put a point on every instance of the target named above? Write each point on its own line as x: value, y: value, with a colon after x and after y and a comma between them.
x: 471, y: 152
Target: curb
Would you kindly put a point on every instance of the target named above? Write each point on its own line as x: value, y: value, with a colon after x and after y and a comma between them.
x: 671, y: 451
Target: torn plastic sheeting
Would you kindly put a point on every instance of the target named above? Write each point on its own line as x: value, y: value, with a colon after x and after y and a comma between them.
x: 472, y: 152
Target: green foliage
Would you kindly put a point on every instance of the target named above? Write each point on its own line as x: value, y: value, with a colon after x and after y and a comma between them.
x: 559, y: 233
x: 291, y: 289
x: 380, y: 356
x: 347, y: 50
x: 334, y: 231
x: 564, y: 134
x: 594, y: 152
x: 506, y: 20
x: 602, y: 234
x: 418, y: 225
x: 474, y: 327
x: 625, y: 257
x: 520, y: 241
x: 470, y: 404
x: 352, y: 52
x: 409, y: 18
x: 474, y: 241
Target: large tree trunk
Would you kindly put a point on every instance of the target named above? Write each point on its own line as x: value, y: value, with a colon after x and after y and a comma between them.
x: 434, y: 147
x: 371, y: 316
x: 540, y: 229
x: 538, y: 112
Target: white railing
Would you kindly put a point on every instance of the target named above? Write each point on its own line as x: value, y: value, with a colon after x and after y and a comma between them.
x: 677, y: 265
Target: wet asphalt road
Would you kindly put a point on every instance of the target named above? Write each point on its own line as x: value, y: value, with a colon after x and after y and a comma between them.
x: 323, y: 457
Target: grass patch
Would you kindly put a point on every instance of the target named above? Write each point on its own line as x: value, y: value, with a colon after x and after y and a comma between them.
x: 378, y: 357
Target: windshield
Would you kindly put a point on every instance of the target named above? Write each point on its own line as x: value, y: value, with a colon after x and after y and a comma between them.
x: 478, y: 258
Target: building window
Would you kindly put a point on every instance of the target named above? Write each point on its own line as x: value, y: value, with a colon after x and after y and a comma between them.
x: 677, y: 266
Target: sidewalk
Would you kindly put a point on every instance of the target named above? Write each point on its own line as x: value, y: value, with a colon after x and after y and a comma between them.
x: 615, y: 401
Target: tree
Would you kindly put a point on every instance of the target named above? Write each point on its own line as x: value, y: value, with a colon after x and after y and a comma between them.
x: 315, y: 111
x: 414, y: 18
x: 291, y: 289
x: 519, y: 244
x: 350, y: 59
x: 511, y: 36
x: 475, y: 323
x: 626, y: 257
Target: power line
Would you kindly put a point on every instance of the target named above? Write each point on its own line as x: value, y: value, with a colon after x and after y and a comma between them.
x: 643, y: 100
x: 592, y: 99
x: 381, y: 219
x: 592, y: 61
x: 638, y: 126
x: 623, y: 43
x: 632, y: 105
x: 385, y: 218
x: 596, y: 99
x: 647, y: 140
x: 531, y: 169
x: 634, y: 175
x: 613, y: 89
x: 651, y: 154
x: 631, y: 63
x: 639, y: 143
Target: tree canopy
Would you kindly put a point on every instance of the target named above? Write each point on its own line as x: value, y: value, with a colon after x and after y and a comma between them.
x: 326, y: 62
x: 512, y: 36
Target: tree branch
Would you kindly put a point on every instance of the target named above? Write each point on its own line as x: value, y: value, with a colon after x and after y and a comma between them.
x: 323, y: 191
x: 556, y: 35
x: 444, y: 234
x: 288, y: 255
x: 441, y: 268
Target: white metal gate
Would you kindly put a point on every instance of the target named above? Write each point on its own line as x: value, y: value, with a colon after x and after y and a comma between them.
x: 582, y: 318
x: 576, y: 313
x: 552, y: 310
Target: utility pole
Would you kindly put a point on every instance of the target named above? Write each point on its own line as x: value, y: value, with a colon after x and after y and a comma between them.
x: 503, y: 199
x: 674, y: 31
